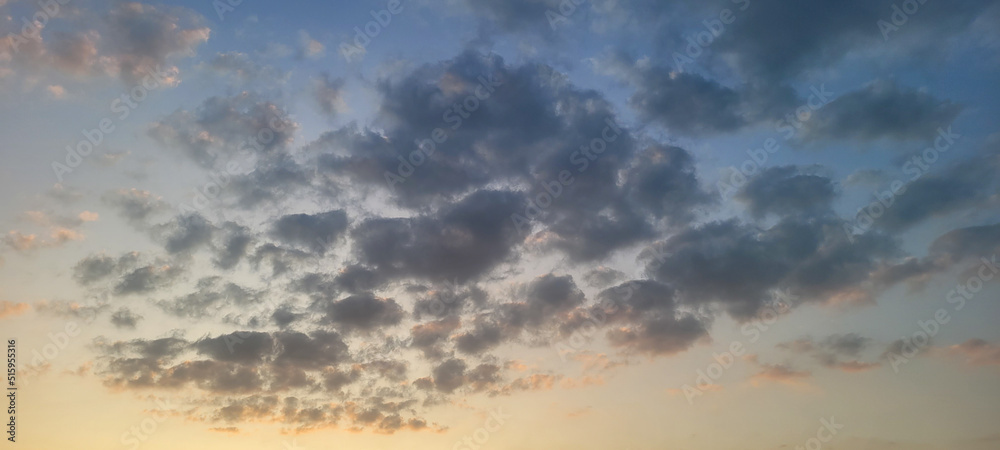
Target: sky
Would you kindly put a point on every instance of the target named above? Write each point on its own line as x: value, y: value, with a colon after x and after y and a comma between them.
x: 486, y: 224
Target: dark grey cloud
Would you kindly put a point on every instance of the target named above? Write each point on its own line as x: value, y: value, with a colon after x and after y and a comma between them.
x: 449, y: 375
x: 125, y: 318
x: 97, y: 267
x: 311, y: 351
x: 316, y: 232
x: 238, y: 362
x: 537, y: 307
x: 883, y: 109
x: 775, y: 41
x: 969, y: 242
x: 242, y: 347
x: 186, y: 233
x: 233, y: 245
x: 275, y: 177
x: 662, y: 181
x: 956, y: 248
x: 356, y: 279
x: 486, y: 334
x: 484, y: 376
x: 787, y: 190
x: 462, y: 241
x: 148, y: 278
x: 532, y: 131
x: 931, y: 193
x: 741, y: 267
x: 547, y: 296
x: 281, y: 260
x: 648, y: 320
x: 691, y: 104
x: 361, y: 312
x: 687, y: 103
x: 285, y: 315
x: 429, y: 337
x: 442, y: 301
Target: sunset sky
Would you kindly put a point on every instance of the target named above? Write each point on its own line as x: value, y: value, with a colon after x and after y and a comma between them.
x: 501, y: 224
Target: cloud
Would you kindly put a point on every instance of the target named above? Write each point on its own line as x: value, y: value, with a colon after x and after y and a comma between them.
x: 309, y: 47
x: 449, y: 375
x: 56, y: 91
x: 131, y: 41
x: 741, y: 267
x: 956, y: 187
x: 148, y: 278
x: 125, y: 318
x: 25, y: 243
x: 10, y: 309
x: 233, y: 246
x: 210, y: 295
x: 691, y: 104
x: 223, y: 127
x: 329, y: 94
x: 777, y: 373
x: 774, y: 42
x: 647, y: 319
x: 461, y: 241
x: 134, y: 204
x: 976, y: 352
x: 316, y: 232
x: 787, y: 190
x: 882, y: 110
x: 361, y: 312
x: 145, y: 37
x: 100, y: 266
x: 429, y: 337
x: 603, y: 276
x: 186, y: 233
x: 838, y: 351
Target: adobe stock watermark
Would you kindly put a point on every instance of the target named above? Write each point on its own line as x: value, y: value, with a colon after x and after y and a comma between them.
x: 456, y: 115
x: 363, y: 35
x: 789, y: 126
x: 714, y: 28
x: 828, y: 429
x: 900, y: 15
x: 32, y: 29
x: 123, y: 106
x: 914, y: 344
x: 553, y: 189
x: 705, y: 379
x: 481, y: 435
x: 917, y: 166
